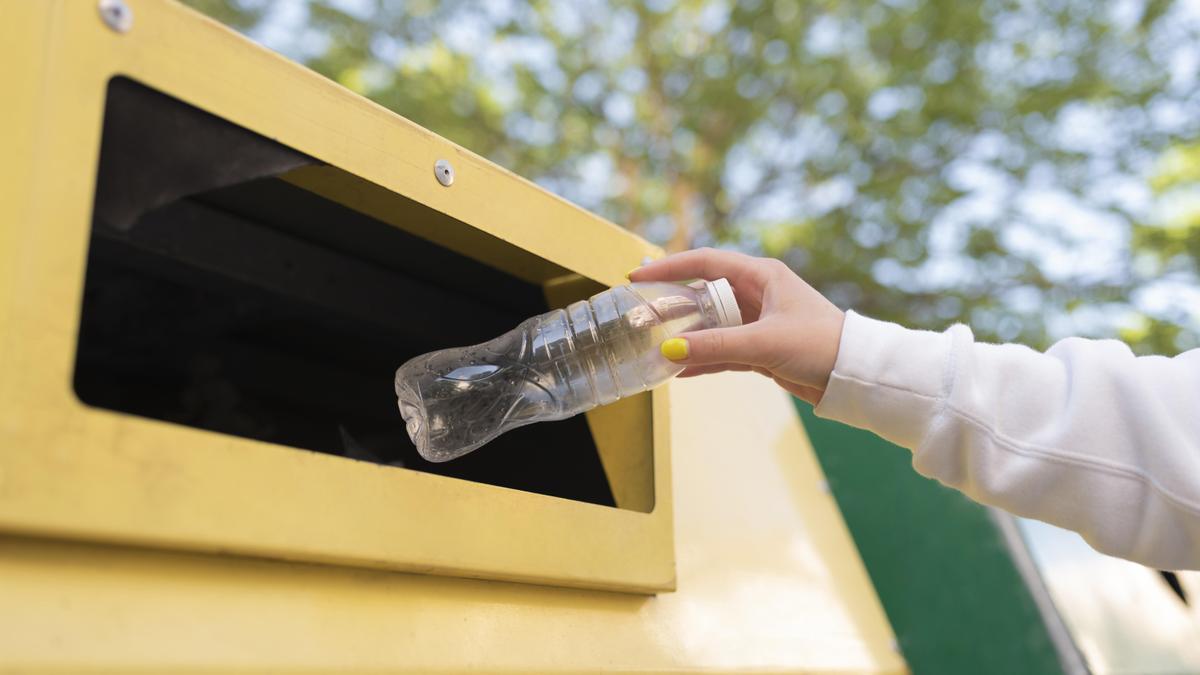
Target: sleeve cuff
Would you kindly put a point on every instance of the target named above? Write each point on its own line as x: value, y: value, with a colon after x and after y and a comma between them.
x: 888, y: 379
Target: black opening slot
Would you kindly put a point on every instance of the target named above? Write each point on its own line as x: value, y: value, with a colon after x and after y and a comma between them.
x: 233, y: 301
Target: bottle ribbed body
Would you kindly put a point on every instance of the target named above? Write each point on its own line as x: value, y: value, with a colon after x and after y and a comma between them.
x: 550, y: 367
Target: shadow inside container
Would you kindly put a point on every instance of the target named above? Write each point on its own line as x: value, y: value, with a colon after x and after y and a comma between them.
x: 222, y: 297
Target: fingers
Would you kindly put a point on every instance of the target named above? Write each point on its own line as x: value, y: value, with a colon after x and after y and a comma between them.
x: 705, y: 263
x: 716, y: 346
x: 693, y: 371
x: 810, y: 394
x: 747, y: 275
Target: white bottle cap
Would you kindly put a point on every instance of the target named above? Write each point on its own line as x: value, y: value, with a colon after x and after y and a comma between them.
x: 727, y: 308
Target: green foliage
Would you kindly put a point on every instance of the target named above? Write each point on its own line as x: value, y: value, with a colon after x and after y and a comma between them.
x: 924, y: 161
x: 240, y: 14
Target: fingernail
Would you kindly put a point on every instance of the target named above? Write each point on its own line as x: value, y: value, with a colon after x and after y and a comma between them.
x: 675, y: 349
x: 630, y: 272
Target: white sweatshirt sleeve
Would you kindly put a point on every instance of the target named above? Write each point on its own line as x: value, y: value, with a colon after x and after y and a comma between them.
x: 1085, y: 436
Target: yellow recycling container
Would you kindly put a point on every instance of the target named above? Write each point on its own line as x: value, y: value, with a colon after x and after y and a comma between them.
x: 211, y: 259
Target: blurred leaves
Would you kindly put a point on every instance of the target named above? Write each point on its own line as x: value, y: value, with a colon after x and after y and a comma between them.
x: 240, y: 14
x: 1004, y: 163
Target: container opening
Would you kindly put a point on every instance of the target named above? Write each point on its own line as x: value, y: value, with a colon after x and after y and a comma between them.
x: 222, y: 297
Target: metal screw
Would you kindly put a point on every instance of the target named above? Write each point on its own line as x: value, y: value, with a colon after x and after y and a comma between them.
x: 444, y: 172
x: 116, y: 15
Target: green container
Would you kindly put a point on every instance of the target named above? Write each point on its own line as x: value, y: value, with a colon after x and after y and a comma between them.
x: 939, y: 563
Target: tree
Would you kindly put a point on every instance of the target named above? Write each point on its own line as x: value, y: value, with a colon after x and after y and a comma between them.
x: 924, y: 161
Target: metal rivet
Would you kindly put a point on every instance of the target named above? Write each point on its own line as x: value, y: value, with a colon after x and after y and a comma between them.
x: 116, y: 15
x: 444, y: 172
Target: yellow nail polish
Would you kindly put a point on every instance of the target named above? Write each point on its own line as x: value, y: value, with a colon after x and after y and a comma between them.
x: 630, y: 272
x: 675, y: 349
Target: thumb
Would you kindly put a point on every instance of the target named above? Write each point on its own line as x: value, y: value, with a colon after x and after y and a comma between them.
x: 716, y: 345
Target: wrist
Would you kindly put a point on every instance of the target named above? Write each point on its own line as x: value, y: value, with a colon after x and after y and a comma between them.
x: 830, y: 341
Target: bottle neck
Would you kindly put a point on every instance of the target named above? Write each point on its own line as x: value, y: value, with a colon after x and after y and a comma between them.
x: 717, y: 303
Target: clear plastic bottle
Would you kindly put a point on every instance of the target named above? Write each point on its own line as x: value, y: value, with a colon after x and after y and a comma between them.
x: 555, y: 365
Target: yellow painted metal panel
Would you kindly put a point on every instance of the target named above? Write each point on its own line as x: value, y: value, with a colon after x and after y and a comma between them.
x: 473, y: 240
x: 769, y: 581
x: 620, y: 430
x: 69, y: 470
x: 23, y: 31
x: 768, y: 578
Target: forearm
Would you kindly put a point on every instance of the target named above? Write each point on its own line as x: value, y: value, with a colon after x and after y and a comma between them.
x: 1085, y: 436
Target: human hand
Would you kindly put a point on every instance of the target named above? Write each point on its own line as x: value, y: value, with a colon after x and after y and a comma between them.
x: 790, y: 331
